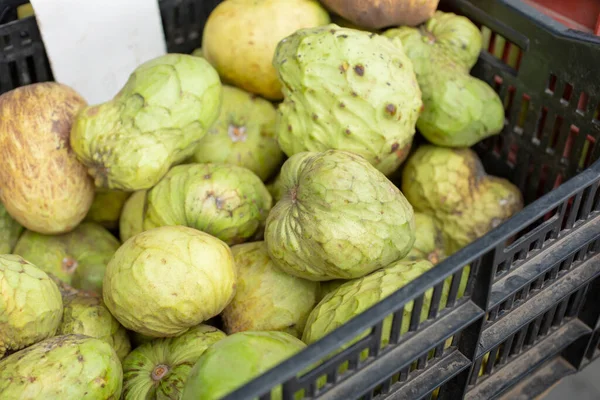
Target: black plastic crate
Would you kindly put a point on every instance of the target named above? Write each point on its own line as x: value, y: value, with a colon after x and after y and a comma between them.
x: 530, y: 313
x: 23, y: 58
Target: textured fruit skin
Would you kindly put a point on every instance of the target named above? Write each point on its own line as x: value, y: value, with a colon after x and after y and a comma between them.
x: 267, y: 299
x: 30, y: 304
x: 163, y: 281
x: 247, y: 63
x: 62, y: 367
x: 429, y: 240
x: 377, y: 14
x: 79, y: 257
x: 236, y: 360
x: 459, y: 109
x: 42, y: 184
x: 10, y: 230
x: 347, y: 90
x: 357, y: 295
x: 154, y: 122
x: 106, y: 208
x: 244, y: 134
x: 275, y: 187
x: 159, y: 369
x: 226, y: 201
x: 452, y: 186
x: 339, y: 218
x: 87, y: 315
x: 131, y: 221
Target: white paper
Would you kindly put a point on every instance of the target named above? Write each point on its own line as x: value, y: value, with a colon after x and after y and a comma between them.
x: 93, y: 46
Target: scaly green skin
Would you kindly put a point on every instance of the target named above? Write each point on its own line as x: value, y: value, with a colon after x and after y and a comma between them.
x: 236, y: 360
x: 349, y: 90
x: 459, y: 109
x: 429, y: 243
x: 452, y: 186
x: 154, y: 122
x: 226, y: 201
x: 159, y: 369
x: 62, y: 367
x: 87, y: 315
x: 30, y: 304
x: 267, y: 299
x: 106, y: 208
x: 339, y: 218
x: 355, y: 296
x: 243, y: 135
x: 78, y: 257
x: 131, y: 221
x: 163, y: 281
x: 10, y: 230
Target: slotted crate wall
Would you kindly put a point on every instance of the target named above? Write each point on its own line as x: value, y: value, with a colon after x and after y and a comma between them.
x: 529, y: 313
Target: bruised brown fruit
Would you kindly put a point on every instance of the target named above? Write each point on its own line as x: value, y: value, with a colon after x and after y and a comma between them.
x: 377, y: 14
x: 42, y: 184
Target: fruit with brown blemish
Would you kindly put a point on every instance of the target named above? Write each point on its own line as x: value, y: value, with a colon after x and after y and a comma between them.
x: 338, y: 218
x: 159, y: 368
x: 349, y: 90
x: 226, y: 201
x: 62, y: 367
x: 267, y: 298
x: 459, y: 109
x: 452, y: 186
x: 30, y: 304
x: 42, y: 184
x: 243, y: 135
x: 154, y: 122
x: 377, y: 14
x: 247, y: 64
x: 166, y: 280
x: 79, y: 257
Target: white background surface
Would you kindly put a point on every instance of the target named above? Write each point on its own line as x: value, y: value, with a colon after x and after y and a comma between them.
x: 93, y: 46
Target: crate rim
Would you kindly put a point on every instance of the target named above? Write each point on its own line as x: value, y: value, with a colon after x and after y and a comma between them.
x: 543, y: 21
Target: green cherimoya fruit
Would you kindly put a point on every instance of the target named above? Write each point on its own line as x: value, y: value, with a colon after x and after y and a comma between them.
x: 63, y: 367
x: 243, y: 135
x: 106, y: 207
x: 159, y: 369
x: 459, y: 109
x: 267, y: 299
x: 163, y: 281
x: 154, y: 122
x: 78, y: 257
x: 452, y: 186
x: 236, y: 360
x: 356, y: 296
x: 30, y: 304
x: 348, y: 90
x: 131, y: 221
x: 275, y: 187
x: 339, y: 218
x: 10, y: 230
x: 226, y: 201
x: 86, y: 314
x: 429, y: 240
